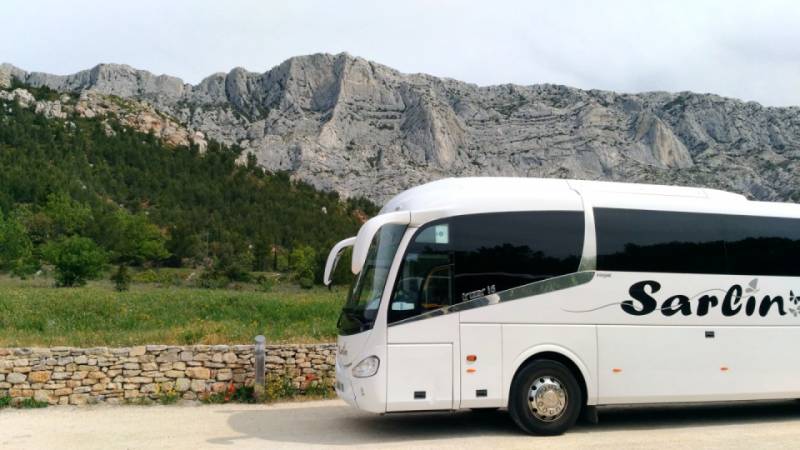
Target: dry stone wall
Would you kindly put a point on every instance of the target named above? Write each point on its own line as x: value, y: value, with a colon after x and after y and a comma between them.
x: 77, y: 376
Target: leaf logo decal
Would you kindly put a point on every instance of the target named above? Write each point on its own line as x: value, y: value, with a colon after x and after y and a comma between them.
x: 752, y: 286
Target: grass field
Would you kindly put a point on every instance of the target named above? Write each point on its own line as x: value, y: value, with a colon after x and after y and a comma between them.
x: 33, y: 313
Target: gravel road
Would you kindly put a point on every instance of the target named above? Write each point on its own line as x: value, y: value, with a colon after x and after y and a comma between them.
x: 332, y: 424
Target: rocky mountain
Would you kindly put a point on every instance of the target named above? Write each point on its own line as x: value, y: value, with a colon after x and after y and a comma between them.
x: 347, y: 124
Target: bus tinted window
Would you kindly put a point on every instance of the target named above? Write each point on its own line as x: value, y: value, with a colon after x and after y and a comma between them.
x: 659, y: 241
x: 762, y: 245
x: 678, y: 242
x: 464, y: 257
x: 424, y: 282
x: 495, y: 252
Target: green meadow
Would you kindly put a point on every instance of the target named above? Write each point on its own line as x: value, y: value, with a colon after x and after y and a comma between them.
x: 34, y: 313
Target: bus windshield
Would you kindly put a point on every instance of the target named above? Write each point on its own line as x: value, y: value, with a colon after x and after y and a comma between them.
x: 364, y: 298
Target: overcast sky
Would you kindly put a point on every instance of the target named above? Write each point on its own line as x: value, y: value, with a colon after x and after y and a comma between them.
x: 749, y: 50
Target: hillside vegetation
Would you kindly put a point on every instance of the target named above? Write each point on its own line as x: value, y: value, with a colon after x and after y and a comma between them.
x: 79, y: 194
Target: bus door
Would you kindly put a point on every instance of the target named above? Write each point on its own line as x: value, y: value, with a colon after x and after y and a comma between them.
x: 422, y: 336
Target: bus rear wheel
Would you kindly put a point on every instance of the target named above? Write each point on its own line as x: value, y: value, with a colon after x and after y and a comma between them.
x: 545, y: 398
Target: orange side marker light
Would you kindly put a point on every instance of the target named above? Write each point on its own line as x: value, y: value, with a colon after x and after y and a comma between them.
x: 471, y: 370
x: 472, y: 358
x: 724, y: 369
x: 616, y: 370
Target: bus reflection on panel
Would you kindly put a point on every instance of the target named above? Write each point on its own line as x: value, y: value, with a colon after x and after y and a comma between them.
x: 550, y: 297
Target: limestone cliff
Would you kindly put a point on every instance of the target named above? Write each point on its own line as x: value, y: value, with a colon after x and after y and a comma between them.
x: 360, y: 128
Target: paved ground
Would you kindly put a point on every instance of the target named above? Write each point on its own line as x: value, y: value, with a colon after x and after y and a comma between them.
x: 332, y: 424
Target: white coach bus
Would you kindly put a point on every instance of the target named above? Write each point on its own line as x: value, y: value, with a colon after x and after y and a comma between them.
x: 549, y: 297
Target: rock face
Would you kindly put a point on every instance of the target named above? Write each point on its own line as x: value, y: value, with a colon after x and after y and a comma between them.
x: 360, y: 128
x: 130, y: 113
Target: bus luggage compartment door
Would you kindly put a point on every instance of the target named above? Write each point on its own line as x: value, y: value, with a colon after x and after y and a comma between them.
x: 419, y: 376
x: 481, y: 366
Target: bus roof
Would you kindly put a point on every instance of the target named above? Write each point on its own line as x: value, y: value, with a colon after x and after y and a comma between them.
x: 469, y: 195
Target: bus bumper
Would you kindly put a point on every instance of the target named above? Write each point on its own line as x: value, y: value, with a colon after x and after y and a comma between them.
x: 344, y: 386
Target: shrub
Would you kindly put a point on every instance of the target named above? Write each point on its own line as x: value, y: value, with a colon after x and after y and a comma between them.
x: 266, y: 283
x: 76, y: 260
x: 28, y: 403
x: 319, y: 388
x: 279, y: 387
x: 15, y: 247
x: 121, y: 278
x: 211, y: 279
x: 169, y: 398
x: 304, y: 265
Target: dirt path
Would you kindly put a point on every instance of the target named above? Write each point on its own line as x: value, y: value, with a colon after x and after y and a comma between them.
x: 333, y: 424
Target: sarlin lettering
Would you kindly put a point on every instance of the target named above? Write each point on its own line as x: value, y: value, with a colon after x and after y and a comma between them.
x: 734, y: 302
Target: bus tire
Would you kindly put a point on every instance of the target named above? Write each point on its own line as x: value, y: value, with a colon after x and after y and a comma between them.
x: 545, y: 398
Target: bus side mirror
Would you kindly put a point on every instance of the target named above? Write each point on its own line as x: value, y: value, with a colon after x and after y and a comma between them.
x: 333, y: 258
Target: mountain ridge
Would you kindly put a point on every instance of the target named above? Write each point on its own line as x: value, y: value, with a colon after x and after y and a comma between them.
x: 347, y: 124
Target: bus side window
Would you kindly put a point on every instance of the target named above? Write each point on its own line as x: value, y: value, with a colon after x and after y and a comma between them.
x: 499, y: 251
x: 469, y: 256
x: 424, y: 282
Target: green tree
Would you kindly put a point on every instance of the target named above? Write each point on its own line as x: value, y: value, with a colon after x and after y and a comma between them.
x: 76, y: 260
x: 304, y: 262
x: 69, y: 217
x: 15, y: 246
x: 121, y: 278
x: 132, y: 239
x: 232, y: 261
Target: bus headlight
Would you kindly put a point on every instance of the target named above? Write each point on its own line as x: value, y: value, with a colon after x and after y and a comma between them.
x: 367, y: 367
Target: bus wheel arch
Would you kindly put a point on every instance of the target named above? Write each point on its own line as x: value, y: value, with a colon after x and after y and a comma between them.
x: 562, y: 356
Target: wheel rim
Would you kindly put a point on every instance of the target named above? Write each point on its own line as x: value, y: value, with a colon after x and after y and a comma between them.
x: 547, y: 398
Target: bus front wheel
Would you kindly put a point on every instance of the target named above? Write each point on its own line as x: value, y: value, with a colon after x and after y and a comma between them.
x: 545, y: 398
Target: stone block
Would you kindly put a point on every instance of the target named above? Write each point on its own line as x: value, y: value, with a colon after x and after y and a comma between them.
x: 149, y: 366
x: 182, y: 384
x: 199, y: 373
x: 198, y: 385
x: 78, y: 399
x: 39, y: 376
x: 16, y: 378
x: 62, y: 392
x: 43, y: 395
x: 140, y: 380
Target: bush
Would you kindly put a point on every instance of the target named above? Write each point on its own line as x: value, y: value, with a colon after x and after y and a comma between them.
x: 166, y: 277
x: 265, y: 283
x: 121, y: 278
x: 304, y: 265
x: 76, y: 259
x: 28, y: 403
x: 15, y: 247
